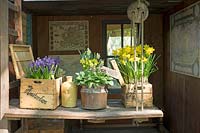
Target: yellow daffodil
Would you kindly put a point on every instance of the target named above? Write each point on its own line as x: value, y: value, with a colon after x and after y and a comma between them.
x: 132, y: 59
x: 150, y: 50
x: 127, y: 54
x: 146, y: 46
x: 144, y: 59
x: 123, y: 62
x: 139, y: 49
x: 115, y: 52
x: 127, y: 49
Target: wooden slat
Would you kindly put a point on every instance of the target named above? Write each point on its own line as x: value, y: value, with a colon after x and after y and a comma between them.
x: 115, y: 110
x: 12, y: 6
x: 113, y: 73
x: 21, y: 57
x: 4, y: 79
x: 12, y: 32
x: 120, y: 78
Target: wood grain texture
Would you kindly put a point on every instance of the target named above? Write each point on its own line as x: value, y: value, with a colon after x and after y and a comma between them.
x: 181, y: 92
x: 4, y: 80
x: 21, y: 56
x: 91, y: 7
x: 40, y: 93
x: 115, y: 110
x: 18, y: 21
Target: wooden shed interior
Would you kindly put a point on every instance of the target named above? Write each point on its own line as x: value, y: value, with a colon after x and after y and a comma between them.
x: 27, y: 22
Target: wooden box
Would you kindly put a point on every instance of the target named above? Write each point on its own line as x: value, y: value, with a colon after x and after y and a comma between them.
x: 42, y: 126
x: 34, y: 93
x: 129, y: 95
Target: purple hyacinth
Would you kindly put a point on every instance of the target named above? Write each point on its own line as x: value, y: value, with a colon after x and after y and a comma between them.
x: 46, y: 65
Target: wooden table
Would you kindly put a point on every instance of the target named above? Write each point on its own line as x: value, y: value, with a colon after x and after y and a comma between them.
x: 114, y: 110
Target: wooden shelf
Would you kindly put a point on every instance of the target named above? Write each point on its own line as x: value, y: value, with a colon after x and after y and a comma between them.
x: 115, y: 110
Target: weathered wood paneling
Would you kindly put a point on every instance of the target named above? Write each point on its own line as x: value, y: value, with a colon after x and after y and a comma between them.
x: 181, y: 92
x: 153, y: 35
x: 4, y: 80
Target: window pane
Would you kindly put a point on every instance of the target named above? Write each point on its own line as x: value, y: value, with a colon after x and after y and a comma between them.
x: 113, y: 37
x: 127, y: 35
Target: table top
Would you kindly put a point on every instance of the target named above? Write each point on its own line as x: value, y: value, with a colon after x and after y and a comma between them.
x: 114, y: 110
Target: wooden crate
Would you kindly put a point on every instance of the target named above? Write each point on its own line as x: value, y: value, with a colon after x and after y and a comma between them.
x: 34, y: 93
x: 129, y: 95
x: 40, y: 93
x: 42, y: 126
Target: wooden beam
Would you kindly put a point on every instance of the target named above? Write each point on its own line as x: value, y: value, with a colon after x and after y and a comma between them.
x: 4, y: 79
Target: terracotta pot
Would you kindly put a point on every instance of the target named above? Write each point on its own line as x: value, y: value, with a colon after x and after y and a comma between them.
x: 93, y: 98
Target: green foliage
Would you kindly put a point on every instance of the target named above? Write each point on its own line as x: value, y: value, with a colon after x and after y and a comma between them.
x: 93, y: 79
x: 91, y: 76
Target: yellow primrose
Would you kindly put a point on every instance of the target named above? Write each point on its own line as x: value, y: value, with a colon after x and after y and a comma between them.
x: 82, y: 61
x: 95, y: 62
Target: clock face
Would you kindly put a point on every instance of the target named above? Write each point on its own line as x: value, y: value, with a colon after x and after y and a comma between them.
x: 137, y: 12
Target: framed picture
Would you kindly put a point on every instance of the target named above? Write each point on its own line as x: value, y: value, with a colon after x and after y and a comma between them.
x: 184, y: 41
x: 68, y: 35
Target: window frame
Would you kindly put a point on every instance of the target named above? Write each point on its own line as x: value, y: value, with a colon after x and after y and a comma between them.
x: 104, y: 42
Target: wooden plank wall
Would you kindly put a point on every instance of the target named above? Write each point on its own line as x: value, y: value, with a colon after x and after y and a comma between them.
x: 181, y: 92
x: 153, y: 35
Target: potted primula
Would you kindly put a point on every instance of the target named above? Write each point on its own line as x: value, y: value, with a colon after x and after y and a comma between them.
x: 127, y: 61
x: 93, y: 81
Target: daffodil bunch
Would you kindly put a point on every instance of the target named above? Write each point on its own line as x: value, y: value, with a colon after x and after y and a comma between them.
x: 127, y: 61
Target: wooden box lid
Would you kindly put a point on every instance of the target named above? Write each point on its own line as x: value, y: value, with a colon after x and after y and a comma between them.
x: 22, y: 56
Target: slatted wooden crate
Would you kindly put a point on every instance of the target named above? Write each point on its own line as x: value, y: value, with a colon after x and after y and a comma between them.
x: 129, y: 95
x: 34, y: 93
x: 42, y: 126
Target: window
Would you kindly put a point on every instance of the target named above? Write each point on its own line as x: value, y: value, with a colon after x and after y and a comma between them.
x: 116, y: 34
